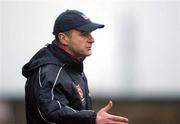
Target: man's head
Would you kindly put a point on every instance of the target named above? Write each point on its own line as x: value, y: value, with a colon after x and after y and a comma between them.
x: 73, y: 19
x: 73, y: 31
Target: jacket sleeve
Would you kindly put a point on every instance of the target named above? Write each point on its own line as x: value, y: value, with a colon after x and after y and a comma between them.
x: 52, y: 103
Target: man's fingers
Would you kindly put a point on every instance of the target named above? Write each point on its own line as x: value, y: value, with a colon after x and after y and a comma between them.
x: 116, y: 122
x: 107, y: 107
x: 118, y: 118
x: 106, y: 118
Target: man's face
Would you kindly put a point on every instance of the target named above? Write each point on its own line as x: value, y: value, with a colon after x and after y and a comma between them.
x: 80, y: 43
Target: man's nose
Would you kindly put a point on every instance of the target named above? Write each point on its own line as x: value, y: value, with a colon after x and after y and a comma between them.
x: 91, y: 39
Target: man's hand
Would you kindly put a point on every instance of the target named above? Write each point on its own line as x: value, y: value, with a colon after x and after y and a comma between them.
x: 104, y: 118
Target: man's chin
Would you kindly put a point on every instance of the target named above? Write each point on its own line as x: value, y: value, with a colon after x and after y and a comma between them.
x: 86, y: 55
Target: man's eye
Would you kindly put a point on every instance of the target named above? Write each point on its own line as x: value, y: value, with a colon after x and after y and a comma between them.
x: 85, y: 33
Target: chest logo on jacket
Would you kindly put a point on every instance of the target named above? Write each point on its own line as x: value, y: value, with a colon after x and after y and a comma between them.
x: 79, y: 90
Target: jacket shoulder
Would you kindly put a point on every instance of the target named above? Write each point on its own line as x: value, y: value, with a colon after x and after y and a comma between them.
x: 52, y: 72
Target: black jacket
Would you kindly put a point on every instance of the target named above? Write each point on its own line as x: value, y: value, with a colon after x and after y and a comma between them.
x: 56, y: 91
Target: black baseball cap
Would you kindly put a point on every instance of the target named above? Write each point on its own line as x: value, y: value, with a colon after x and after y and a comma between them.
x: 73, y: 19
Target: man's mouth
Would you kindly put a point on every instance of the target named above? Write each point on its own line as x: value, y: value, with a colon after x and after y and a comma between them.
x: 89, y: 48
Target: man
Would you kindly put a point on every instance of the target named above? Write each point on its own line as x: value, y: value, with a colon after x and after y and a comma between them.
x: 56, y: 90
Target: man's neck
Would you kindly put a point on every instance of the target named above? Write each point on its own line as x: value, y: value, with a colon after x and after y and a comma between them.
x: 69, y: 52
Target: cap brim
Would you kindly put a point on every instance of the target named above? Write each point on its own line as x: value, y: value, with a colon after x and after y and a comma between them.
x: 90, y: 27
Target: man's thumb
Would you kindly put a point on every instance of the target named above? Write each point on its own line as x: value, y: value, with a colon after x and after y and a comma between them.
x: 108, y: 106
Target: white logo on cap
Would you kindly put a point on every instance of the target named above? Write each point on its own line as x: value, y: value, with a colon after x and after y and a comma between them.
x: 84, y: 16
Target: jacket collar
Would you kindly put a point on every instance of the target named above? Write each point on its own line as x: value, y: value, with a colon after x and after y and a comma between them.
x: 65, y: 57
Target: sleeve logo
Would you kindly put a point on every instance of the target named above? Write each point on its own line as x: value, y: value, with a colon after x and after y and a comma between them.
x: 79, y: 90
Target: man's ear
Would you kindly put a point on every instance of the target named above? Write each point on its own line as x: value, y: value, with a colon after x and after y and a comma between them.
x: 63, y: 38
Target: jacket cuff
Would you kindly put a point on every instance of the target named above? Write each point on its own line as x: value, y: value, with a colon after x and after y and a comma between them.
x: 94, y: 118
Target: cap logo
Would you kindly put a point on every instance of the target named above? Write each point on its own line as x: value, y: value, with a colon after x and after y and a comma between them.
x: 84, y: 16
